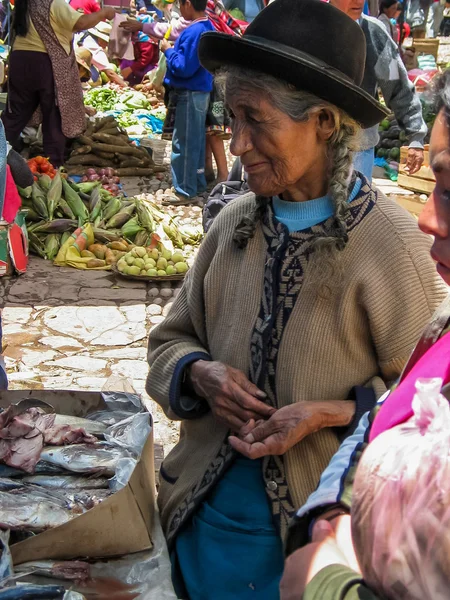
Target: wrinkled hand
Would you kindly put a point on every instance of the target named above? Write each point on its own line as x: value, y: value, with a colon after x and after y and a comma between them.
x: 131, y: 25
x: 164, y: 45
x: 232, y: 398
x: 303, y: 564
x: 289, y: 425
x: 414, y: 160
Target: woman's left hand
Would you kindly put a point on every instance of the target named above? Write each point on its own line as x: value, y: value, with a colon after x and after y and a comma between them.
x: 289, y: 425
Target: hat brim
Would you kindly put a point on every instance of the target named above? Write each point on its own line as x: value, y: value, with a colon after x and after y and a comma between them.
x: 99, y: 34
x: 302, y: 70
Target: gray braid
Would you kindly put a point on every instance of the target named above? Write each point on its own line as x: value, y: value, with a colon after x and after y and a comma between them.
x: 246, y: 227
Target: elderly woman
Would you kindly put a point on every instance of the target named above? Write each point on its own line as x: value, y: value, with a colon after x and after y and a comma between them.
x: 305, y: 299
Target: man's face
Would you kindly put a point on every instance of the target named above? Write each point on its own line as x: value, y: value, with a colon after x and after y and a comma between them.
x: 352, y: 8
x: 435, y: 216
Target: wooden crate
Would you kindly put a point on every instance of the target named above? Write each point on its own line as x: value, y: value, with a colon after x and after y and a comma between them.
x: 428, y: 46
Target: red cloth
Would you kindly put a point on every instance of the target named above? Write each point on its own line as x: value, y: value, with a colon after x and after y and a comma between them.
x: 12, y: 202
x: 145, y: 54
x: 397, y: 408
x: 87, y: 6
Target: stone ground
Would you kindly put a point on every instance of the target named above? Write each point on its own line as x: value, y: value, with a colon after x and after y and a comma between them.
x: 70, y: 329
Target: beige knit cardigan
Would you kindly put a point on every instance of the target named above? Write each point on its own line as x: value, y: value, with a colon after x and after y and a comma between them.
x: 361, y: 335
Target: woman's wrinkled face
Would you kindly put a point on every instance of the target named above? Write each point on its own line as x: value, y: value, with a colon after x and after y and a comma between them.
x: 435, y: 216
x: 278, y: 154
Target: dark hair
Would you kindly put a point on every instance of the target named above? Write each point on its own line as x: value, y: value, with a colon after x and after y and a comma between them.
x: 385, y: 4
x: 198, y: 5
x: 21, y: 20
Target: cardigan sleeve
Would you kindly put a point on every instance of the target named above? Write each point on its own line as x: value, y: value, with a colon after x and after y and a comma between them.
x: 337, y: 582
x: 181, y: 340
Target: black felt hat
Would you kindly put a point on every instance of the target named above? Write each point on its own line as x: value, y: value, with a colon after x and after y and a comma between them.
x: 309, y: 44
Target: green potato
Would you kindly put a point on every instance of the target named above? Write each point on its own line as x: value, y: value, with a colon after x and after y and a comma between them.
x: 139, y: 262
x: 181, y: 267
x: 167, y: 254
x: 154, y: 254
x: 130, y: 259
x: 133, y: 270
x: 151, y: 262
x: 121, y: 265
x: 161, y: 264
x: 152, y: 273
x: 140, y: 251
x: 161, y: 273
x: 171, y: 270
x: 178, y: 257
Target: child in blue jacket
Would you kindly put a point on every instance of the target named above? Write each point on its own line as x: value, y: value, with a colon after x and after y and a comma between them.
x: 190, y: 87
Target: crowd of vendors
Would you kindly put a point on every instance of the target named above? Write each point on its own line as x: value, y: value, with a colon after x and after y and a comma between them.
x: 307, y: 355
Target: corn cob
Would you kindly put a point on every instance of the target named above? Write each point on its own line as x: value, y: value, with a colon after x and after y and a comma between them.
x: 65, y: 236
x: 36, y: 245
x: 56, y: 226
x: 95, y: 204
x: 120, y: 218
x: 25, y: 192
x: 130, y: 229
x: 65, y: 209
x: 51, y: 246
x: 104, y: 237
x: 75, y: 202
x: 45, y: 182
x: 39, y: 203
x: 171, y: 230
x: 54, y: 195
x: 31, y: 215
x: 112, y: 208
x: 141, y: 238
x: 145, y: 217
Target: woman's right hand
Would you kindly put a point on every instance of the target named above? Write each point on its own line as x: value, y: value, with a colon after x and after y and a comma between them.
x: 233, y: 399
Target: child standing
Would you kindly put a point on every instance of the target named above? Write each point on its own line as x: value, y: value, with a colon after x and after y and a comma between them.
x: 190, y: 87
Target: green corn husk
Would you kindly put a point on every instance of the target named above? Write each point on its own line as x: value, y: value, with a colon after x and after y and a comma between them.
x: 98, y: 220
x: 131, y: 229
x: 64, y: 237
x: 27, y: 203
x: 54, y: 195
x: 172, y: 233
x: 111, y: 209
x: 44, y: 182
x: 145, y: 217
x: 36, y: 246
x: 39, y: 201
x: 65, y: 209
x: 25, y: 192
x: 141, y: 238
x: 75, y: 202
x: 87, y: 186
x: 119, y: 219
x: 31, y: 215
x: 104, y: 237
x: 190, y: 235
x: 51, y: 245
x: 56, y: 226
x: 95, y: 204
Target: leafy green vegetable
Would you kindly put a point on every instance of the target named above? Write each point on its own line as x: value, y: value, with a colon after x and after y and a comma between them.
x: 101, y: 98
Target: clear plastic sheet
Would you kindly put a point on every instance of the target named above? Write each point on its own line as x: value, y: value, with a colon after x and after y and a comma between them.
x: 131, y: 433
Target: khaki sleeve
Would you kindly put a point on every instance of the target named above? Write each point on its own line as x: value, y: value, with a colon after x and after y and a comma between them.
x: 64, y: 14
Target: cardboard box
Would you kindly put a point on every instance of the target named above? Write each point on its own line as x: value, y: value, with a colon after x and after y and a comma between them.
x: 120, y: 525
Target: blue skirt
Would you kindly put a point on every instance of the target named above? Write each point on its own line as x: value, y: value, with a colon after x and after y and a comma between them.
x: 230, y: 549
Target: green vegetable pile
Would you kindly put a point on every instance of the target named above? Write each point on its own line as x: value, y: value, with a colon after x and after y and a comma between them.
x: 101, y: 98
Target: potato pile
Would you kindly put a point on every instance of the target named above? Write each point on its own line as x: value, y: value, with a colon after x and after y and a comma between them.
x: 151, y: 262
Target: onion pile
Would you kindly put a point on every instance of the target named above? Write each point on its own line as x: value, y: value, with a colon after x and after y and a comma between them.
x: 107, y: 177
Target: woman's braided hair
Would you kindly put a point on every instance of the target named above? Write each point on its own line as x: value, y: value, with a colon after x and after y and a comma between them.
x: 299, y: 106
